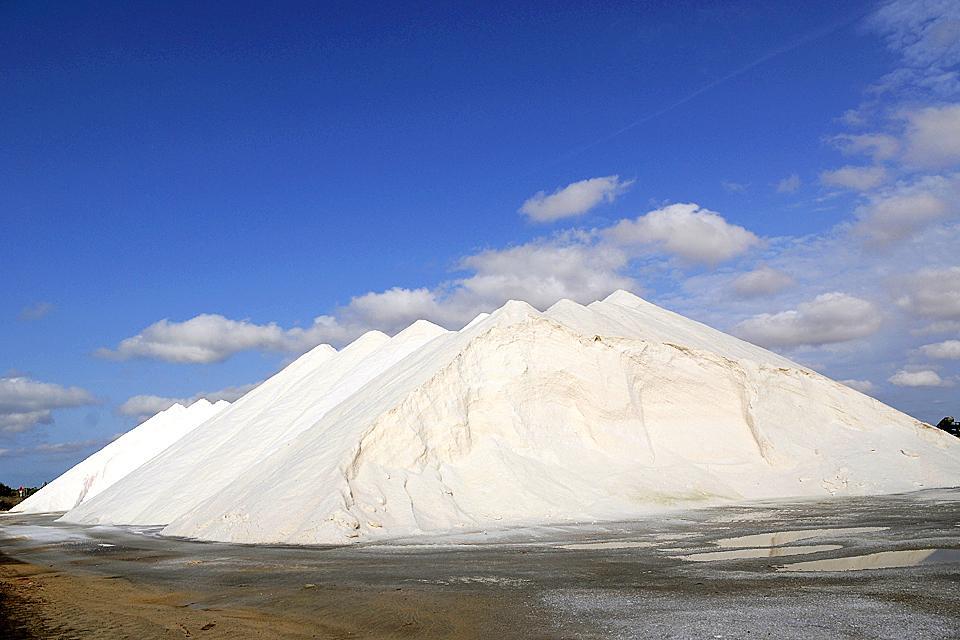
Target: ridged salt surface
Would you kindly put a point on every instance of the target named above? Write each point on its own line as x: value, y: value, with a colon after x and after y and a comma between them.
x: 579, y: 413
x: 112, y: 463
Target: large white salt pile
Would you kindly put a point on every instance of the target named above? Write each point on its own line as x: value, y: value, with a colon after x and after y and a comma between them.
x: 108, y: 465
x: 255, y: 426
x: 579, y: 413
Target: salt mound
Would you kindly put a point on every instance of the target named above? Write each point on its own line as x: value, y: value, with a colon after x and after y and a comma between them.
x: 255, y: 426
x: 597, y: 412
x: 120, y: 457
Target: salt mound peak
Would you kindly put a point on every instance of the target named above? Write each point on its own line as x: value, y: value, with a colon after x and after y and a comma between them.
x: 111, y: 464
x: 597, y: 412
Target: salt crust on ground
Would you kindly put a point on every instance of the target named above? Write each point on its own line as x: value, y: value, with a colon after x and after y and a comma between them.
x: 579, y: 413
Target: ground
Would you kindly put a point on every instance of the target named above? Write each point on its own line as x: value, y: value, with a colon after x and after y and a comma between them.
x: 615, y: 580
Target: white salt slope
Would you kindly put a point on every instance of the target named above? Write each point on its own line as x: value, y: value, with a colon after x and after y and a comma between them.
x: 255, y: 426
x: 120, y: 457
x: 580, y: 413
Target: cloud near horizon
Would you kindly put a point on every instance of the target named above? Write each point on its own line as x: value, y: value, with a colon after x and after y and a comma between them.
x: 26, y: 403
x: 582, y: 265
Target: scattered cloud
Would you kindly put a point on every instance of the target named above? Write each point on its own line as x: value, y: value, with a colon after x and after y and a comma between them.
x: 879, y: 146
x: 209, y: 338
x: 734, y: 187
x: 145, y: 406
x: 789, y: 184
x: 827, y: 319
x: 946, y: 350
x: 932, y: 293
x: 687, y: 231
x: 35, y: 311
x: 58, y: 448
x: 855, y: 178
x: 863, y: 386
x: 933, y: 136
x: 896, y: 213
x: 25, y: 403
x: 922, y: 378
x: 574, y: 199
x: 762, y: 281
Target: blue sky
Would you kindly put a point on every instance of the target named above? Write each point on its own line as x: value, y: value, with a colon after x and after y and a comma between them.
x: 191, y: 195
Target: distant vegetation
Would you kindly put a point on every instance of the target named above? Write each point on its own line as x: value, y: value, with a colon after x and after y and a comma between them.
x: 950, y: 425
x: 10, y: 497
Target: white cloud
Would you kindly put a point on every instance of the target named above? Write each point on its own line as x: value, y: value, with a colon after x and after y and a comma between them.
x: 946, y: 350
x: 145, y: 406
x: 734, y: 187
x: 209, y: 338
x: 25, y: 403
x: 933, y: 293
x: 933, y: 136
x: 926, y: 35
x: 863, y: 386
x: 878, y: 146
x: 58, y: 448
x: 923, y: 378
x: 829, y: 318
x: 762, y: 281
x: 36, y: 311
x: 896, y: 213
x: 575, y: 199
x: 687, y: 231
x: 856, y: 178
x: 789, y: 184
x: 579, y: 265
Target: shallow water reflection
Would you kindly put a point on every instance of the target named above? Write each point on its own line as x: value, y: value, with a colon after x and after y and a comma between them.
x: 775, y: 538
x: 881, y: 560
x: 769, y: 552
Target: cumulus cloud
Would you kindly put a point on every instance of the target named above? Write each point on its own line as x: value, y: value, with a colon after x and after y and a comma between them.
x: 25, y: 403
x: 946, y: 350
x: 685, y: 230
x: 855, y: 178
x: 574, y: 199
x: 827, y: 319
x: 762, y: 281
x: 35, y: 311
x: 789, y: 184
x: 922, y: 378
x: 209, y: 338
x: 145, y: 406
x: 932, y: 293
x: 879, y: 146
x: 582, y: 265
x: 896, y: 213
x: 933, y: 136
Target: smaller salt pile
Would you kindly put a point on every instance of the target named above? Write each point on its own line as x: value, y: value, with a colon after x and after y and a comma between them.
x: 120, y: 457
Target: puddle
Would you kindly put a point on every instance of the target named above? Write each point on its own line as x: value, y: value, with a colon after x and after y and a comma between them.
x: 786, y: 537
x: 881, y: 560
x: 770, y: 552
x: 609, y: 544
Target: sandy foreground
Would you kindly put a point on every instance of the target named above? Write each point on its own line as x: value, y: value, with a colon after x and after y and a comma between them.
x: 711, y: 573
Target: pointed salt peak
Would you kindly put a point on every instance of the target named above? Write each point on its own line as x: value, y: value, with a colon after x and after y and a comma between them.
x: 200, y: 404
x: 421, y: 328
x: 175, y: 408
x: 369, y: 338
x: 513, y: 311
x: 480, y: 318
x: 625, y: 299
x: 323, y: 349
x: 564, y: 303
